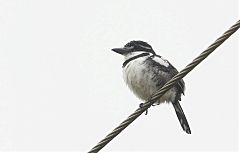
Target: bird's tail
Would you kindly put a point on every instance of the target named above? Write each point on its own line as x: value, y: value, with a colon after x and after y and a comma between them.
x: 181, y: 117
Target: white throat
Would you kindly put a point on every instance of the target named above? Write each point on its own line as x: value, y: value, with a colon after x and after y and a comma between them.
x: 132, y: 54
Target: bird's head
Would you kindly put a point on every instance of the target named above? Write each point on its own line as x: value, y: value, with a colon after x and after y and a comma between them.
x: 134, y: 47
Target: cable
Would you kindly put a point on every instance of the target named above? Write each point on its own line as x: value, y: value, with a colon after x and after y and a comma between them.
x: 165, y: 88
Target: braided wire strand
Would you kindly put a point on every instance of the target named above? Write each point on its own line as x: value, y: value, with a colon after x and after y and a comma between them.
x: 165, y: 88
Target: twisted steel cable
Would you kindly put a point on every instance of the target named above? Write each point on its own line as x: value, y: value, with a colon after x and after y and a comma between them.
x: 165, y: 88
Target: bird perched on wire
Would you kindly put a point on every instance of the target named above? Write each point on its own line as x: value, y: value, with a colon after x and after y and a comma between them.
x: 145, y: 72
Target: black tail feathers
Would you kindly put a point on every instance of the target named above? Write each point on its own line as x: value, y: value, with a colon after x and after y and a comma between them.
x: 181, y: 117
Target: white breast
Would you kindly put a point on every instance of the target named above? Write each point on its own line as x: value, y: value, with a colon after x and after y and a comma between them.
x: 139, y: 79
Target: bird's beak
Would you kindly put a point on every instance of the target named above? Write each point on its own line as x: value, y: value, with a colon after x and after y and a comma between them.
x: 123, y: 50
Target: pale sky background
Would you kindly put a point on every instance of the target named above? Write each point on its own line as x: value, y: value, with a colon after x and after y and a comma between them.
x: 61, y: 87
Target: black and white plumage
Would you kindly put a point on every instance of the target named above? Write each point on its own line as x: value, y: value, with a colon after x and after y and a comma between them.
x: 145, y: 72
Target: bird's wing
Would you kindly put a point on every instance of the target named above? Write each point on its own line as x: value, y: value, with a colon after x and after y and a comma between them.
x: 180, y: 84
x: 167, y: 70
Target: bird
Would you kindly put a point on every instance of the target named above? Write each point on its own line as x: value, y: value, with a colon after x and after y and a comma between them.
x: 145, y: 72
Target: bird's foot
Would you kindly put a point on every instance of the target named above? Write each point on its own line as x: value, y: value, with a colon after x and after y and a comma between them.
x: 141, y: 106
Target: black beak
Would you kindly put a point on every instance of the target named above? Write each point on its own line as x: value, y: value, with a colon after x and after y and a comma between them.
x: 123, y: 50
